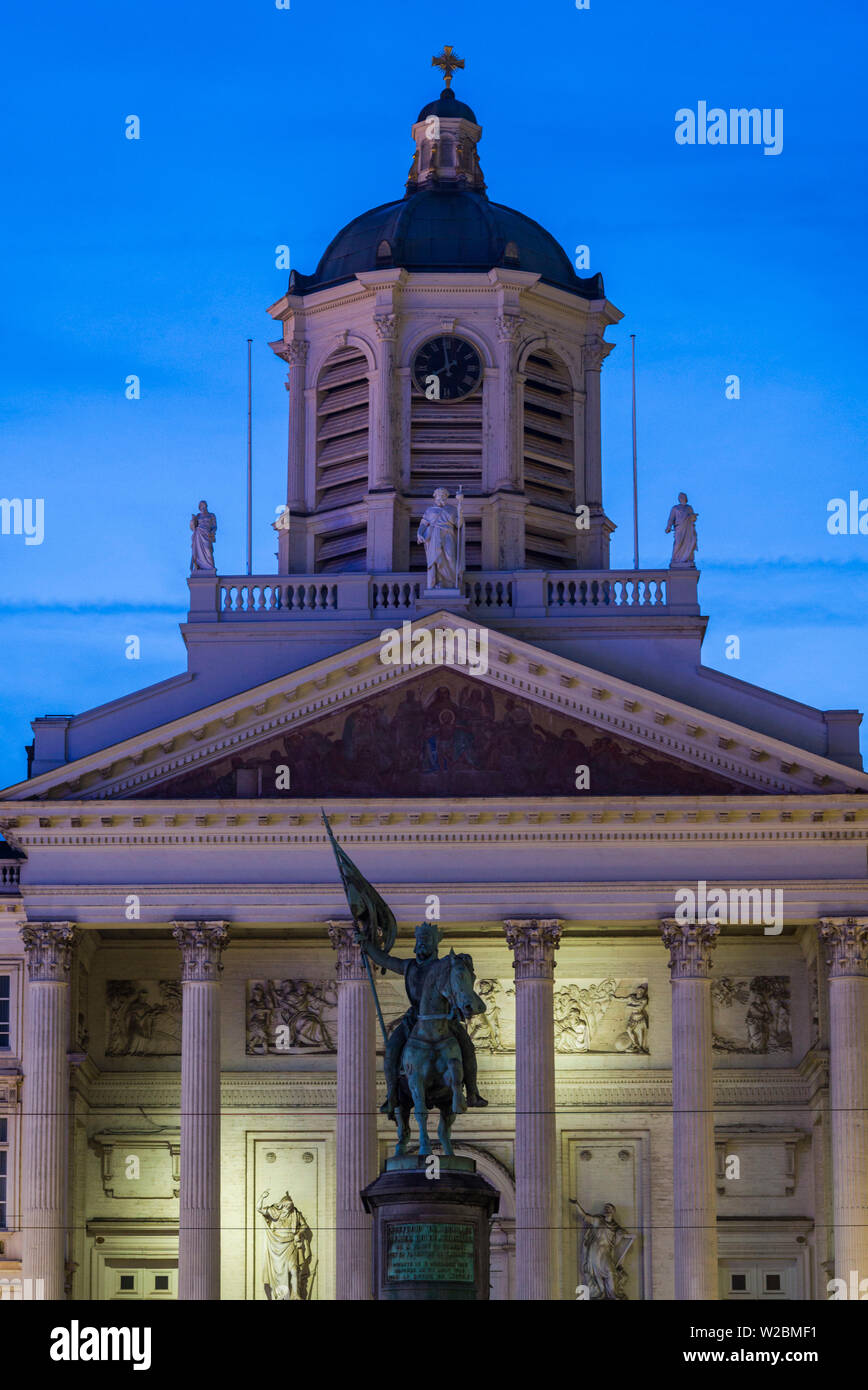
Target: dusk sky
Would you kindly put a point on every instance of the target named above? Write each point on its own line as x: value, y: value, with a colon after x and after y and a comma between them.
x: 261, y: 127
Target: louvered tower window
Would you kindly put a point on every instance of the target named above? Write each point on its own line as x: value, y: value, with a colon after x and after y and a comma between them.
x: 342, y: 428
x: 549, y: 461
x: 445, y: 443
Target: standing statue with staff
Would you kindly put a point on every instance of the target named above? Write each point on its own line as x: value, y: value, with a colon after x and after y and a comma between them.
x: 441, y: 532
x: 430, y: 1061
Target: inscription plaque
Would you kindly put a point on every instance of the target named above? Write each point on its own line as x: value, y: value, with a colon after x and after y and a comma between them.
x: 439, y: 1251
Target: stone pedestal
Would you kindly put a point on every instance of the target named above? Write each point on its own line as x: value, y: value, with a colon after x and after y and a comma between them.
x: 431, y: 1230
x: 357, y: 1114
x: 537, y: 1225
x: 45, y: 1117
x: 450, y: 600
x: 846, y: 943
x: 202, y: 945
x: 695, y: 1201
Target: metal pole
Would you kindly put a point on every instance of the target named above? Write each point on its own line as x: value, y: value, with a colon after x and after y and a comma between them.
x: 635, y: 470
x: 249, y: 460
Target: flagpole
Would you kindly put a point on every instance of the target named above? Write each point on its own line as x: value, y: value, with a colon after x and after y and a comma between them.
x: 361, y: 943
x: 635, y: 468
x: 249, y: 459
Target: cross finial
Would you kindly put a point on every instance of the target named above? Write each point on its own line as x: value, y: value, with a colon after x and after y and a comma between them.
x: 447, y: 61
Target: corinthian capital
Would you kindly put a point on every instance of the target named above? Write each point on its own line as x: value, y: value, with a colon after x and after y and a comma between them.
x: 350, y: 963
x: 508, y: 326
x: 594, y: 354
x: 846, y: 942
x: 202, y: 944
x: 294, y: 353
x: 533, y: 942
x: 386, y: 326
x: 48, y: 949
x: 690, y: 945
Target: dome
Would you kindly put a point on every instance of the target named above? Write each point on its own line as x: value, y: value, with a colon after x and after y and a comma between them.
x: 446, y: 228
x: 448, y: 105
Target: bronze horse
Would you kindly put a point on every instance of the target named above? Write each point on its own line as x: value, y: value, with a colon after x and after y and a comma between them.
x: 431, y: 1070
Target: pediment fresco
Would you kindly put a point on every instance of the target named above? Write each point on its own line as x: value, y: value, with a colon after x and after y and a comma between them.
x: 443, y: 734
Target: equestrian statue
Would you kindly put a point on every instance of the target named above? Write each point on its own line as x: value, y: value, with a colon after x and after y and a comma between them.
x: 430, y: 1061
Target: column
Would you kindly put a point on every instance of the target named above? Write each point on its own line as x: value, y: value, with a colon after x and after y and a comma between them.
x: 695, y: 1201
x: 507, y: 460
x: 45, y: 1113
x: 291, y: 542
x: 846, y: 943
x: 533, y: 942
x: 202, y: 944
x: 385, y: 415
x: 594, y: 353
x: 357, y: 1115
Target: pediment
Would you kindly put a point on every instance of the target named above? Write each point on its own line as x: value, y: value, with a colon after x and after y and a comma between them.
x: 351, y: 726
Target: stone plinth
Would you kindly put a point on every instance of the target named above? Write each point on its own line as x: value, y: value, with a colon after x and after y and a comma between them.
x: 431, y: 1234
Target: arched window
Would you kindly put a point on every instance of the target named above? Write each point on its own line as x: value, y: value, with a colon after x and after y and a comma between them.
x: 342, y: 431
x: 549, y: 463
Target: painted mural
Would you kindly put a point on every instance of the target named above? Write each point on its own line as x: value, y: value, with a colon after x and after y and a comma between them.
x: 445, y: 735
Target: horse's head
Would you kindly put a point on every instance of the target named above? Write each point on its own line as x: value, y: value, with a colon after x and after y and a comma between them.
x: 458, y: 987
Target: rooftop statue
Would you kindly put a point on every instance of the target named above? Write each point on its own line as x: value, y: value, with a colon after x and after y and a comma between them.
x: 682, y: 520
x: 441, y: 532
x: 203, y: 524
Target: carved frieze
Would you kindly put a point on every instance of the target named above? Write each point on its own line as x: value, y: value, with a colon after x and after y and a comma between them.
x: 143, y: 1018
x: 291, y: 1016
x: 751, y: 1014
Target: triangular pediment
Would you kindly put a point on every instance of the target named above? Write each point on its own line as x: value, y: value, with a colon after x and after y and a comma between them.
x: 519, y: 724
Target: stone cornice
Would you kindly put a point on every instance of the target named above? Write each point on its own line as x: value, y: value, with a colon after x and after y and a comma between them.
x: 582, y: 819
x: 607, y: 703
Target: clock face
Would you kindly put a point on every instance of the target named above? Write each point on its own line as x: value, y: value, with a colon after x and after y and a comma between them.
x: 447, y: 368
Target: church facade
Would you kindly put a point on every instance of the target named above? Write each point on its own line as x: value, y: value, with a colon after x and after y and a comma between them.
x: 658, y: 870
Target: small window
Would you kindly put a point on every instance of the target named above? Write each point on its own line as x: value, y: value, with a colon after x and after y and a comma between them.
x: 738, y: 1283
x: 384, y: 251
x: 5, y: 1007
x: 127, y: 1283
x: 161, y: 1283
x: 510, y: 251
x: 773, y: 1283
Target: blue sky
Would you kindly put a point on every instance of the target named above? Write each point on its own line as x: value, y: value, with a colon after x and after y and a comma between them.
x: 261, y: 127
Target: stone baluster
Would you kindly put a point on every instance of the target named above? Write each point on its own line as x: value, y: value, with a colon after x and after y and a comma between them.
x: 45, y: 1112
x: 201, y: 945
x: 846, y: 943
x: 695, y: 1202
x: 356, y: 1115
x: 537, y: 1246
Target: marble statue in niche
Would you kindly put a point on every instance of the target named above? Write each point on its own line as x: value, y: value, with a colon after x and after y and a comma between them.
x: 751, y: 1015
x: 286, y: 1270
x: 487, y: 1030
x: 604, y: 1246
x: 143, y: 1018
x: 291, y: 1016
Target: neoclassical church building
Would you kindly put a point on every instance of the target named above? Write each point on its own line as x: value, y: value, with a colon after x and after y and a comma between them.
x: 658, y: 870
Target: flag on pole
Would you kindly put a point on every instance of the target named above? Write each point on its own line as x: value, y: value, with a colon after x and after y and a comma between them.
x: 370, y: 912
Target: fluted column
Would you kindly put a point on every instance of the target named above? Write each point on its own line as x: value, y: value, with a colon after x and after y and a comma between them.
x: 846, y: 943
x: 202, y: 944
x: 695, y: 1203
x: 357, y: 1115
x: 533, y: 942
x: 45, y: 1114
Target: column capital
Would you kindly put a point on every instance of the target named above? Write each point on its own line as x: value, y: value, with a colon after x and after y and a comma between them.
x: 294, y: 353
x: 689, y: 945
x: 48, y: 948
x: 594, y: 353
x: 201, y: 944
x: 350, y: 963
x: 533, y: 941
x: 846, y: 942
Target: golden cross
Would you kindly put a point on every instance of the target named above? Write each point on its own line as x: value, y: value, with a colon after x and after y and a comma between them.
x: 448, y: 61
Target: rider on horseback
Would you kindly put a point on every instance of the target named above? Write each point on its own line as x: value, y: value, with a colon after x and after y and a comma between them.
x: 414, y: 971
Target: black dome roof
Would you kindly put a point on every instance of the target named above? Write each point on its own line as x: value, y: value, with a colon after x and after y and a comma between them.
x: 447, y: 104
x: 445, y: 228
